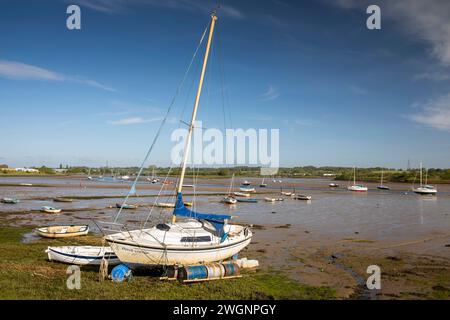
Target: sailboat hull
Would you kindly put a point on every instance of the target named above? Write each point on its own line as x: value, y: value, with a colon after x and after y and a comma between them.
x: 140, y: 256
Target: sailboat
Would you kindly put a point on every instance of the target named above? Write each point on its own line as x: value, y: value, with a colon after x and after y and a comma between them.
x: 229, y: 198
x: 426, y: 188
x: 201, y: 238
x: 356, y: 187
x: 381, y: 186
x: 263, y: 185
x: 153, y: 179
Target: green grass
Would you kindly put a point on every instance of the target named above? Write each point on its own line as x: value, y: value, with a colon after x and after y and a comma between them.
x: 26, y: 274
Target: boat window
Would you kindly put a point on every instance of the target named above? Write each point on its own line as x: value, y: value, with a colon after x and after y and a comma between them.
x: 196, y: 239
x: 163, y: 227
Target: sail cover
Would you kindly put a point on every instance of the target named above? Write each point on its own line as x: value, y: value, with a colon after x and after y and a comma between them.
x: 217, y: 220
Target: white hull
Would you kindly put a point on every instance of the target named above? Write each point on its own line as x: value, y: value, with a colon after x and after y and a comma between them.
x: 82, y: 256
x: 357, y: 188
x: 425, y: 191
x: 140, y: 248
x: 136, y: 256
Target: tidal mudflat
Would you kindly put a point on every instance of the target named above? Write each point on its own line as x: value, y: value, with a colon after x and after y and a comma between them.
x: 324, y: 244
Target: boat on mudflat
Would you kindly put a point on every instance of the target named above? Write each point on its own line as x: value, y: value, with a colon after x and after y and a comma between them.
x: 10, y: 200
x: 247, y: 200
x: 62, y: 200
x: 303, y: 197
x: 64, y: 231
x: 126, y: 206
x: 199, y: 238
x: 49, y: 209
x: 82, y: 255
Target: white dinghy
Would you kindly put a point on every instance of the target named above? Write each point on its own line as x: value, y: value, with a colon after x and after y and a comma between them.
x: 63, y: 231
x: 82, y: 255
x: 198, y: 239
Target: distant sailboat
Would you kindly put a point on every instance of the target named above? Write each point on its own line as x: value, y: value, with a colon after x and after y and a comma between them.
x: 381, y: 186
x: 263, y: 185
x: 356, y: 187
x: 244, y: 189
x: 229, y: 199
x: 153, y: 179
x: 425, y: 189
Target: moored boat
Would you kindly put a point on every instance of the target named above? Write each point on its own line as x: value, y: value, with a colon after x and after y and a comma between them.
x: 263, y: 185
x: 64, y: 231
x: 229, y: 200
x: 10, y: 200
x: 356, y: 187
x: 241, y: 194
x: 333, y: 185
x: 62, y: 200
x: 126, y: 206
x: 247, y: 200
x: 381, y: 186
x: 243, y: 189
x: 49, y: 209
x: 425, y: 189
x: 82, y: 255
x: 303, y: 197
x: 165, y: 205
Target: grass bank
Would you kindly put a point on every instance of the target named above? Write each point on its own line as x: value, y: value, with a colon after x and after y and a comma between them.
x: 25, y: 273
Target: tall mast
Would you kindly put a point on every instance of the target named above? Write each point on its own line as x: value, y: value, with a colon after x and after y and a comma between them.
x: 421, y: 174
x: 381, y: 176
x: 354, y: 175
x: 197, y: 100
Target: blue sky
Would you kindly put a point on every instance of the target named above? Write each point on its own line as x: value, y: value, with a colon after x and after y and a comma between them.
x: 339, y: 93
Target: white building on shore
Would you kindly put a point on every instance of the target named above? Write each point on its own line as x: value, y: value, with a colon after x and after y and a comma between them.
x: 28, y: 170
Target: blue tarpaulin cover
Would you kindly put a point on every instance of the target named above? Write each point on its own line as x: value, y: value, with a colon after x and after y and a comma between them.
x: 216, y: 219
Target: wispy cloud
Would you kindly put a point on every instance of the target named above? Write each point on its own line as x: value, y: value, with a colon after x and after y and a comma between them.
x: 141, y: 120
x: 134, y: 120
x: 433, y: 76
x: 21, y: 71
x: 435, y: 113
x: 424, y: 20
x: 271, y: 94
x: 305, y: 122
x: 121, y: 6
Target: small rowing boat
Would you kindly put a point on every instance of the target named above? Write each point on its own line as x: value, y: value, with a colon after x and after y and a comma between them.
x: 333, y: 185
x: 267, y: 199
x: 49, y: 209
x: 165, y: 205
x: 126, y: 206
x: 62, y: 200
x: 247, y: 189
x: 303, y: 197
x: 241, y: 194
x: 248, y: 200
x: 82, y: 255
x: 63, y: 231
x: 10, y: 200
